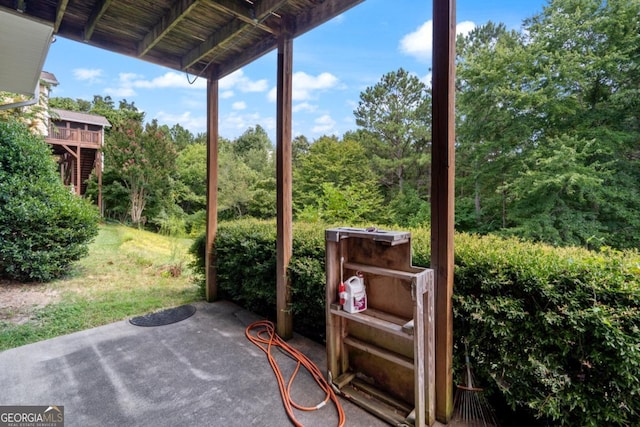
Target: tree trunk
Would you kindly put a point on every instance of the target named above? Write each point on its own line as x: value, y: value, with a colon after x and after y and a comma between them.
x: 138, y: 203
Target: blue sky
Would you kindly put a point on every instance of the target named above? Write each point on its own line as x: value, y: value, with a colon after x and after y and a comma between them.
x: 332, y: 65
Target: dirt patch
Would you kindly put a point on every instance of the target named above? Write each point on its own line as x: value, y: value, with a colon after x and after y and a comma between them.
x: 19, y: 301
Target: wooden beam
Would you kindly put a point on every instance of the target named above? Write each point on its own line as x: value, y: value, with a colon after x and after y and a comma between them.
x: 96, y: 14
x: 268, y: 7
x: 78, y: 180
x: 98, y: 167
x: 212, y: 187
x: 442, y: 197
x: 321, y: 13
x: 218, y: 39
x: 60, y: 10
x: 229, y: 31
x: 247, y: 56
x: 178, y: 11
x: 245, y: 14
x: 69, y: 150
x: 284, y: 243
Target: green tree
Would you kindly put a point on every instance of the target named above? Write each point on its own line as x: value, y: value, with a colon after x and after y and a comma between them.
x: 299, y: 148
x: 554, y: 198
x: 526, y: 100
x: 492, y: 135
x: 589, y: 50
x: 254, y: 148
x: 191, y: 181
x: 144, y: 162
x: 335, y: 170
x: 236, y: 182
x: 352, y: 204
x: 181, y: 137
x: 70, y: 104
x: 395, y: 113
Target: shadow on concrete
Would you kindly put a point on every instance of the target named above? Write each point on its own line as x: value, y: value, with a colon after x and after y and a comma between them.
x: 201, y: 371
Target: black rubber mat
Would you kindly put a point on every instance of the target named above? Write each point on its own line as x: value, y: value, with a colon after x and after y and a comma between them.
x: 164, y: 317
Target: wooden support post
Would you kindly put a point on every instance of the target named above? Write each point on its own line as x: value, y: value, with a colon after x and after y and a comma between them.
x: 98, y: 167
x: 442, y: 197
x: 284, y: 244
x: 78, y: 180
x: 212, y: 187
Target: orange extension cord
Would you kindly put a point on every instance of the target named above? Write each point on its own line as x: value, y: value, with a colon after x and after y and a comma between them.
x: 262, y: 333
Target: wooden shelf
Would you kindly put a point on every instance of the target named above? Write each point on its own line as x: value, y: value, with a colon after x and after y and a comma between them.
x: 380, y: 271
x: 380, y: 352
x: 388, y: 413
x: 378, y: 319
x: 381, y: 358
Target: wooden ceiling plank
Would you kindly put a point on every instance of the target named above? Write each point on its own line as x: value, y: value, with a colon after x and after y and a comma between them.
x: 231, y: 30
x: 60, y: 10
x: 242, y: 13
x: 319, y: 14
x: 97, y: 13
x: 247, y: 55
x: 221, y: 37
x: 178, y: 11
x: 267, y: 7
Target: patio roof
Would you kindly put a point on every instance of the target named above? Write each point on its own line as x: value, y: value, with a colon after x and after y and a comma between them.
x: 194, y: 36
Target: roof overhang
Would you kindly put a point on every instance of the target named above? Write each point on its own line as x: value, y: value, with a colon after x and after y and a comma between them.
x: 24, y: 47
x: 209, y: 38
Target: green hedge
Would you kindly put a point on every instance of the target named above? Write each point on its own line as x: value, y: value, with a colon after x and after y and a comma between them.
x: 554, y: 333
x: 246, y: 270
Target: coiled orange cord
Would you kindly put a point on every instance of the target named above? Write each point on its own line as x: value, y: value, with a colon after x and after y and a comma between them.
x: 262, y: 333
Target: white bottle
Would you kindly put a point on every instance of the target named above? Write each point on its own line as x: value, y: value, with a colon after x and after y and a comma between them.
x: 356, y: 300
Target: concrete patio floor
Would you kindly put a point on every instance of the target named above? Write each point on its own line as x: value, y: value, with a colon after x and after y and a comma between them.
x: 201, y: 371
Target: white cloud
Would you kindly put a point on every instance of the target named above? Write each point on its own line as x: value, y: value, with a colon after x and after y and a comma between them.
x: 234, y: 124
x: 128, y: 77
x: 304, y: 85
x: 227, y: 94
x: 194, y: 124
x: 427, y: 79
x: 120, y: 92
x: 239, y: 105
x: 237, y: 80
x: 419, y: 43
x: 170, y: 79
x: 323, y: 124
x: 338, y: 19
x: 194, y: 103
x: 351, y: 103
x: 92, y: 75
x: 273, y: 94
x: 304, y: 106
x: 465, y: 27
x: 127, y: 83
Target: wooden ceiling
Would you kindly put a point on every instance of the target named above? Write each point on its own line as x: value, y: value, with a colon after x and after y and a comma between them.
x: 201, y: 37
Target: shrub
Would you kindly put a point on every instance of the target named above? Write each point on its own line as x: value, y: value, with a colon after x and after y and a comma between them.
x: 554, y: 333
x: 556, y: 329
x: 246, y: 270
x: 43, y: 227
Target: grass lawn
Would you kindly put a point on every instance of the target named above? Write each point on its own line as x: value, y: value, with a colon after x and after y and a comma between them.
x: 128, y: 272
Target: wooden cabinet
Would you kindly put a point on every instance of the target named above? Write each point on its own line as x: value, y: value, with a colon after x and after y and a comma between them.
x: 382, y: 358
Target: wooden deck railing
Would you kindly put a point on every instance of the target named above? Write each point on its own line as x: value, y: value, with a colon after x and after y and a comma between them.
x: 75, y: 136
